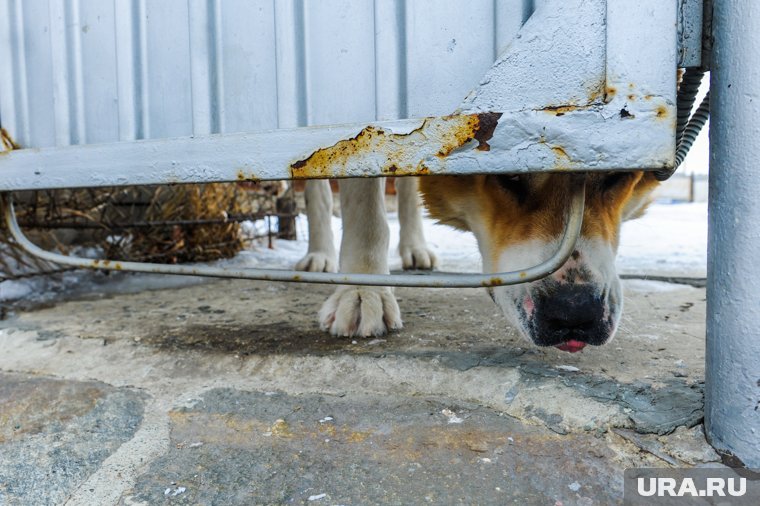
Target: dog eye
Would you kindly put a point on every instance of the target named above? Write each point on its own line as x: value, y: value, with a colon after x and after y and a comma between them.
x: 514, y: 184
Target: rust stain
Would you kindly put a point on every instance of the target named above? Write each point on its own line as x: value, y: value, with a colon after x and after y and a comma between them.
x: 563, y: 160
x: 561, y: 110
x: 661, y: 111
x: 422, y: 169
x: 609, y: 93
x: 400, y: 154
x: 33, y: 405
x: 460, y: 136
x: 560, y: 152
x: 357, y: 436
x: 322, y: 162
x: 250, y: 178
x: 280, y: 428
x: 400, y: 444
x: 233, y: 429
x: 487, y: 123
x: 218, y: 428
x: 105, y: 264
x: 419, y: 443
x: 7, y: 141
x: 328, y: 429
x: 648, y: 97
x: 341, y: 433
x: 631, y: 97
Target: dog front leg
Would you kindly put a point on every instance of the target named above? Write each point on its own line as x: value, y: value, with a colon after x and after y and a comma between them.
x: 360, y: 310
x: 412, y: 246
x: 321, y: 256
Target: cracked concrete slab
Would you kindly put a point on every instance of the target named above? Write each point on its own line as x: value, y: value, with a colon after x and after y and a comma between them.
x: 55, y: 433
x: 195, y: 346
x: 273, y: 448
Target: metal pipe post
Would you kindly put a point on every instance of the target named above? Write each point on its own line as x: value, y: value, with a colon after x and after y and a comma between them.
x: 732, y: 390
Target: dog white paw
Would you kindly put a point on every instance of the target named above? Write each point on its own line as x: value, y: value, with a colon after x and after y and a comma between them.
x: 417, y: 256
x: 359, y: 311
x: 317, y: 262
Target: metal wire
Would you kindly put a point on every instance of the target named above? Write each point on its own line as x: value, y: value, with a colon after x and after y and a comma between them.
x: 77, y: 225
x: 573, y: 223
x: 687, y: 95
x: 696, y: 123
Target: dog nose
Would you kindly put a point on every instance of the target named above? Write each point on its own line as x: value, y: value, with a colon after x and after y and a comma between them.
x: 571, y: 309
x: 570, y: 313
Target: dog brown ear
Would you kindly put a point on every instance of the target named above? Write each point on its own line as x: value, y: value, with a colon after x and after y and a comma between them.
x: 442, y: 195
x: 641, y: 197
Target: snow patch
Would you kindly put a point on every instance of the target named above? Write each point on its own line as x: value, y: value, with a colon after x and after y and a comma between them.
x: 648, y: 286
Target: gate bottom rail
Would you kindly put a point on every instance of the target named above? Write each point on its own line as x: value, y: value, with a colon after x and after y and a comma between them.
x: 573, y: 223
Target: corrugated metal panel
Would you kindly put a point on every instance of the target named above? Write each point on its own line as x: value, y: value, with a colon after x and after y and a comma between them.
x: 91, y: 71
x: 551, y: 102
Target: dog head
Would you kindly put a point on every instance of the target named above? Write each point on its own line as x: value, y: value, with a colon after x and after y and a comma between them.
x: 518, y: 221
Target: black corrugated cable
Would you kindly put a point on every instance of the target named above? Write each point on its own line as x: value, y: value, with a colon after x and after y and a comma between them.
x: 697, y: 121
x: 687, y: 95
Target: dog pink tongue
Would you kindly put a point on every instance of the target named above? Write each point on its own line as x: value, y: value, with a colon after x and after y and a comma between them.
x: 572, y: 346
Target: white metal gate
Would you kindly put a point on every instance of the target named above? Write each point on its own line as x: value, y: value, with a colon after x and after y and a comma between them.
x: 569, y: 91
x: 94, y: 71
x: 572, y: 92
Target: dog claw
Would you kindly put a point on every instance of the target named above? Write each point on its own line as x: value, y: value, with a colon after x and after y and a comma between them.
x: 360, y: 312
x: 418, y: 257
x: 317, y: 262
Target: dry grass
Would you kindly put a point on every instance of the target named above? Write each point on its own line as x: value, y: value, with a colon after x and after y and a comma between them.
x: 165, y: 224
x: 193, y: 225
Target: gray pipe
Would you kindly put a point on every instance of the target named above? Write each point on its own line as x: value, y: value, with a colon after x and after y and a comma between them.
x: 732, y: 389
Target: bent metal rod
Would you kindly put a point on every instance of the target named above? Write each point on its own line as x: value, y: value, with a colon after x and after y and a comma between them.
x: 573, y: 222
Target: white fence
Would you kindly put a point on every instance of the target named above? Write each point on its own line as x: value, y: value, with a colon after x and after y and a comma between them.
x: 684, y: 188
x: 93, y: 71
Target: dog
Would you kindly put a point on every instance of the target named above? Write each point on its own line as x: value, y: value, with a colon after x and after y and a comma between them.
x: 517, y: 221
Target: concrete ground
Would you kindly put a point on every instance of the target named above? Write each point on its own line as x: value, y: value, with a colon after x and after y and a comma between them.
x: 226, y: 392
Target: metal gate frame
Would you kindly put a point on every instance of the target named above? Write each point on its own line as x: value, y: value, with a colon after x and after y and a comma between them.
x: 575, y: 91
x: 536, y: 109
